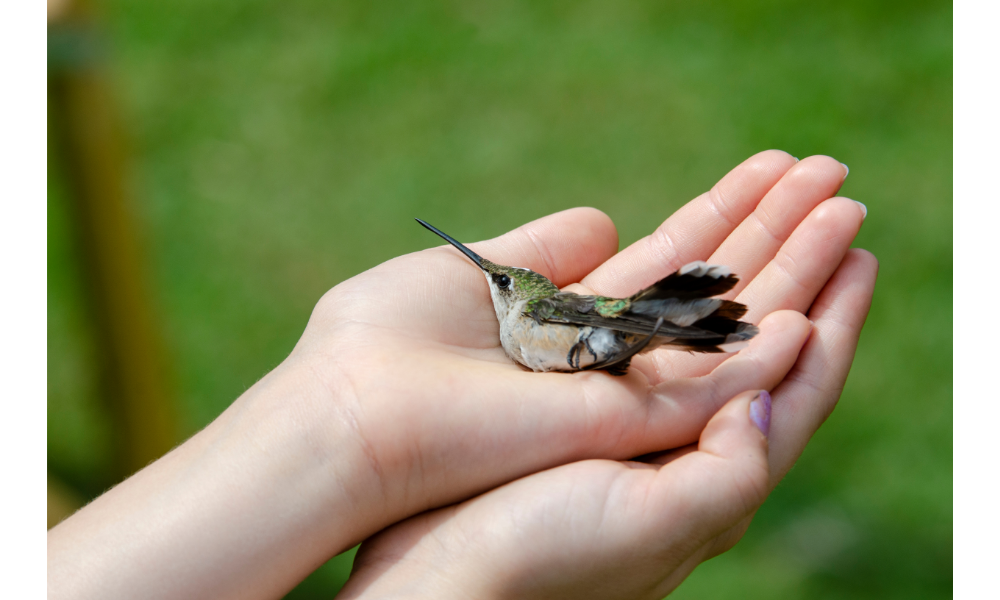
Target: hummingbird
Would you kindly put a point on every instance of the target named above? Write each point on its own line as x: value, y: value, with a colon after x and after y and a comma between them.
x: 545, y: 329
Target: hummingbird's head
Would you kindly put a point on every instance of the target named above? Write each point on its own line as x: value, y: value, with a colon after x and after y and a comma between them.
x: 508, y: 285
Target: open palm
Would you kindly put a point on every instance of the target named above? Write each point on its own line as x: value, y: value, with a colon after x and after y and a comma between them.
x: 459, y: 418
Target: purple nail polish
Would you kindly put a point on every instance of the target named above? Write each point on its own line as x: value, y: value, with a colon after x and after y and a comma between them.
x: 760, y: 411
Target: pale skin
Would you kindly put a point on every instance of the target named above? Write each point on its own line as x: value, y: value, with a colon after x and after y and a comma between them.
x: 398, y: 400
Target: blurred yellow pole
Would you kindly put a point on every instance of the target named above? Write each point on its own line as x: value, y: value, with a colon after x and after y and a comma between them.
x: 87, y: 133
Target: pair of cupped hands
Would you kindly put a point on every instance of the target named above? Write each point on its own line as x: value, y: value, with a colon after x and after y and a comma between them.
x: 398, y: 421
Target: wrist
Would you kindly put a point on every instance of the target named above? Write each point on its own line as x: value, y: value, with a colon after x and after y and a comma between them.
x: 245, y: 508
x: 301, y: 430
x: 396, y: 574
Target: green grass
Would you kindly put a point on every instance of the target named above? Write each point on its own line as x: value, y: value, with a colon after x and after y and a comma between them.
x: 280, y: 148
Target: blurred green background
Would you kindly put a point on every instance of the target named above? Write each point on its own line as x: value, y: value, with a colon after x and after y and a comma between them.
x: 278, y: 148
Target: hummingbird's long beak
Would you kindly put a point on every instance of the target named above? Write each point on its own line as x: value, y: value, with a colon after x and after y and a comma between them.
x: 472, y: 255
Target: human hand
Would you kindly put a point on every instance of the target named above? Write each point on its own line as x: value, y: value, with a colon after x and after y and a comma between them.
x: 398, y: 397
x: 606, y: 529
x: 458, y: 417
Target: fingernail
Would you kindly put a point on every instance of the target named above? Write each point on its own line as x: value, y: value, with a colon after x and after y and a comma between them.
x: 760, y: 411
x: 796, y: 158
x: 847, y: 170
x: 864, y: 210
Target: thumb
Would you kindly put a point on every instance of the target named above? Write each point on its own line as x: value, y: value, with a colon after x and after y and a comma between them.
x: 727, y: 478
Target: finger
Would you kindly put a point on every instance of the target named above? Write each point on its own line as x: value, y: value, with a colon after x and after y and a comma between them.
x: 728, y: 531
x: 694, y: 231
x: 564, y: 246
x: 759, y: 237
x: 791, y: 280
x: 810, y: 392
x: 704, y: 493
x: 806, y: 261
x: 683, y: 406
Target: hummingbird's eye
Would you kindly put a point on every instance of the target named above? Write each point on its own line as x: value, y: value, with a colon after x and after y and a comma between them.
x: 502, y: 281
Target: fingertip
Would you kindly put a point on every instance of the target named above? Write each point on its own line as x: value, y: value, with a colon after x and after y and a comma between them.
x: 864, y: 258
x: 847, y: 208
x: 748, y: 183
x: 786, y: 323
x: 824, y: 164
x: 839, y: 209
x: 851, y: 286
x: 739, y: 434
x: 773, y: 155
x: 779, y: 154
x: 739, y: 423
x: 563, y: 246
x: 760, y: 411
x: 599, y: 228
x: 598, y: 220
x: 862, y: 262
x: 774, y: 162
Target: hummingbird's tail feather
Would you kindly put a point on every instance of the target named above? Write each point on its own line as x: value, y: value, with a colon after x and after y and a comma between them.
x: 685, y: 312
x: 731, y: 336
x: 685, y: 298
x: 694, y: 280
x: 729, y: 310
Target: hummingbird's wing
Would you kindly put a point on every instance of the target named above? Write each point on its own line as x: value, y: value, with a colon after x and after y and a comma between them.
x: 692, y: 319
x: 570, y: 308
